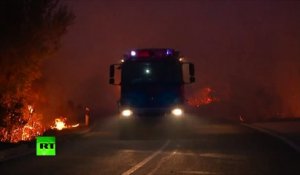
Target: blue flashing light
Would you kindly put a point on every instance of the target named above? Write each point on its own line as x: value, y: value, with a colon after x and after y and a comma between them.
x: 150, y: 53
x: 169, y: 52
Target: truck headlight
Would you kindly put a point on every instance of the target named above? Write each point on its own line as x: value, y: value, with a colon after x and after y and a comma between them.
x: 126, y: 113
x: 177, y: 112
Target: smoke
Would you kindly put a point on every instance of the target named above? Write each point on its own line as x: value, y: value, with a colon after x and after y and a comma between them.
x: 246, y: 51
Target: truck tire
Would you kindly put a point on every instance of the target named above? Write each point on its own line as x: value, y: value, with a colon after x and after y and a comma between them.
x: 125, y: 130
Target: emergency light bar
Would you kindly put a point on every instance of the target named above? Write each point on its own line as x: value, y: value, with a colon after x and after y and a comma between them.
x: 153, y: 53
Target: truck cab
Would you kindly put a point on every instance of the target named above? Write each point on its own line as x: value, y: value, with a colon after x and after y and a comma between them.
x: 151, y: 82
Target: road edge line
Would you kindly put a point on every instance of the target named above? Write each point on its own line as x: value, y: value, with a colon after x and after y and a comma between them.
x: 287, y: 141
x: 146, y: 160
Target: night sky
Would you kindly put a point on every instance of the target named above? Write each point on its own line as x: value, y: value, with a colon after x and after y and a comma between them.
x: 244, y: 50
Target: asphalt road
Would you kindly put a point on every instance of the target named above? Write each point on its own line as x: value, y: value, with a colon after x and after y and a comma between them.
x: 204, y: 146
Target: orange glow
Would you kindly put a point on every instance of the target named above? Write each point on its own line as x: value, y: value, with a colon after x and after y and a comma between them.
x: 76, y: 125
x: 31, y: 127
x: 30, y: 109
x: 60, y: 124
x: 29, y: 131
x: 202, y: 97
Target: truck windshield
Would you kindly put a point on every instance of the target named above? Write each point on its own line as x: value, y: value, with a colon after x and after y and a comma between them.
x: 151, y: 72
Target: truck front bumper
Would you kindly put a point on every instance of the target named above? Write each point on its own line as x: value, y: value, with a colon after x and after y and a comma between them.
x: 130, y: 112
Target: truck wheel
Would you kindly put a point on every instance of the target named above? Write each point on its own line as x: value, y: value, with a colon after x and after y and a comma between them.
x: 178, y: 129
x: 124, y: 134
x: 125, y: 130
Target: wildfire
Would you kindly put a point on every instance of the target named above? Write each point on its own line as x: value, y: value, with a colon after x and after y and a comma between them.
x: 30, y: 109
x: 23, y: 132
x: 202, y: 97
x: 60, y: 124
x: 30, y: 126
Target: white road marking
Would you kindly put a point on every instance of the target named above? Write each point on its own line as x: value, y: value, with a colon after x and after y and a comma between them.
x: 283, y: 139
x: 146, y: 160
x: 222, y: 156
x: 161, y: 162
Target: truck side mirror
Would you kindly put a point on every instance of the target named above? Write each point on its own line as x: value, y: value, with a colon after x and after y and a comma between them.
x: 112, y: 74
x: 188, y: 72
x: 192, y: 72
x: 192, y: 79
x: 112, y: 71
x: 192, y: 69
x: 111, y: 81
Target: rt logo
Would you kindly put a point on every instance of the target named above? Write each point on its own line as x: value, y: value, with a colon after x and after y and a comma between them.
x: 45, y: 146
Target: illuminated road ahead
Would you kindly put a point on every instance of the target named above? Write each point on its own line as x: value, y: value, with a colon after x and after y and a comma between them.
x: 208, y: 147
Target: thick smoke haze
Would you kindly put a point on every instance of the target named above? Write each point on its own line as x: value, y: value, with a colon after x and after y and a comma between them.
x: 246, y: 51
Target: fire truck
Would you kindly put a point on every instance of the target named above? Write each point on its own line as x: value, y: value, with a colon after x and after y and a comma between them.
x: 151, y: 83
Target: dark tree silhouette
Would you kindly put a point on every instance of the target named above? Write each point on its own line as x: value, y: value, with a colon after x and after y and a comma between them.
x: 30, y: 31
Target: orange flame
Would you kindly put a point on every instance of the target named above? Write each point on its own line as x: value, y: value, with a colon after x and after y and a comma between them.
x: 202, y: 97
x: 32, y: 128
x: 60, y: 124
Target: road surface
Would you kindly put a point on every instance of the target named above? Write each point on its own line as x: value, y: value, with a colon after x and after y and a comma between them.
x: 206, y: 147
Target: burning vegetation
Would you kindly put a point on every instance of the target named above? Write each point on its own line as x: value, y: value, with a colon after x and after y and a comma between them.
x: 204, y: 96
x: 31, y: 127
x: 61, y: 123
x: 30, y: 33
x: 22, y: 128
